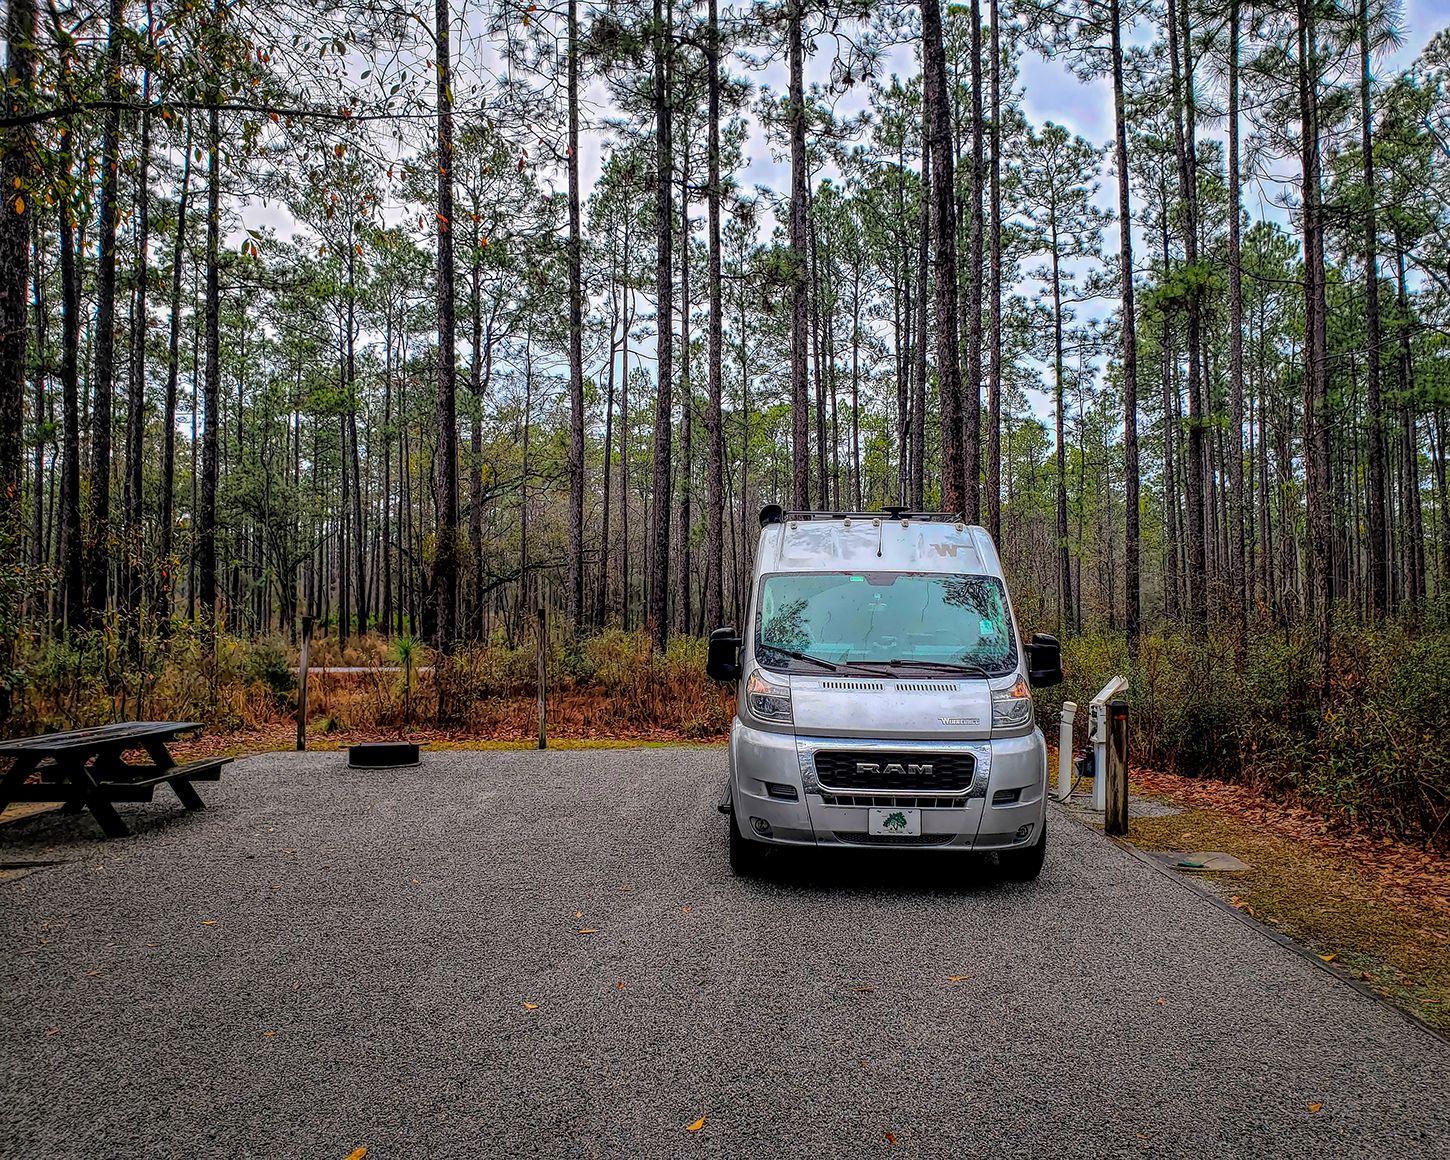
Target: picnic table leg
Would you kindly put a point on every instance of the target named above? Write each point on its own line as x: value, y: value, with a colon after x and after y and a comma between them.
x: 158, y: 752
x: 15, y: 776
x: 188, y: 795
x: 91, y: 796
x: 106, y: 816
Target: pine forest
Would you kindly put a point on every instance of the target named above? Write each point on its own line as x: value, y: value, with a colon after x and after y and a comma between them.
x: 430, y: 326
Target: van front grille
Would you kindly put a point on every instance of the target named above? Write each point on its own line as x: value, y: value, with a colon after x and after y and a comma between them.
x: 888, y: 801
x: 895, y: 772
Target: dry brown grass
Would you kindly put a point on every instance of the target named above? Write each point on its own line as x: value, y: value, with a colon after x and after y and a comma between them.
x: 1376, y: 910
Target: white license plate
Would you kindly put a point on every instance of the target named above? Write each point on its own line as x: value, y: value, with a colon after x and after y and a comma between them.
x: 894, y: 823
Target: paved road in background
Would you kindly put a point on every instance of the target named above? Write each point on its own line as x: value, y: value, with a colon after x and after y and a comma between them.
x: 327, y: 959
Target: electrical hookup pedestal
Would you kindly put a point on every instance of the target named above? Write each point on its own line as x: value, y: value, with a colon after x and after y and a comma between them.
x: 1108, y: 733
x: 1098, y: 735
x: 1115, y: 813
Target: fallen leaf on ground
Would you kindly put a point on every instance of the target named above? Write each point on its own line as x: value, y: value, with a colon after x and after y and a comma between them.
x: 619, y: 986
x: 589, y: 930
x: 958, y: 978
x: 1315, y: 1107
x: 578, y: 914
x: 1329, y: 958
x: 209, y: 922
x: 356, y: 1154
x: 270, y: 1034
x: 531, y: 1006
x: 891, y: 1138
x: 696, y: 1126
x: 864, y: 990
x: 686, y: 909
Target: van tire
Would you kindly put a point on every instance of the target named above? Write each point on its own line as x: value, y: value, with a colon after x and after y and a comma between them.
x: 1024, y: 865
x: 747, y: 858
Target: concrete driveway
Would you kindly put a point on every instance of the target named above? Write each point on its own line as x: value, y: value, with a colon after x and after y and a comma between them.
x: 519, y: 954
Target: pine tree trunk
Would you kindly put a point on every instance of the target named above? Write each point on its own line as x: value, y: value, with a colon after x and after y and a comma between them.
x: 818, y: 349
x: 131, y: 585
x: 359, y: 530
x: 1185, y: 115
x: 1132, y: 585
x: 18, y: 198
x: 799, y: 319
x: 684, y: 570
x: 601, y: 594
x: 1376, y: 499
x: 626, y: 610
x: 1316, y: 419
x: 211, y: 386
x: 385, y: 608
x: 43, y: 484
x: 994, y: 373
x: 98, y: 522
x: 72, y: 562
x: 443, y: 593
x: 659, y: 593
x: 473, y: 602
x: 944, y: 231
x: 1064, y: 556
x: 857, y: 498
x: 714, y: 430
x: 166, y: 586
x: 972, y: 388
x: 918, y: 392
x: 575, y: 602
x: 1236, y: 343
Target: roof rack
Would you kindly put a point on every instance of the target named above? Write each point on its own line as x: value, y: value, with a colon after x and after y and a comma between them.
x: 773, y: 513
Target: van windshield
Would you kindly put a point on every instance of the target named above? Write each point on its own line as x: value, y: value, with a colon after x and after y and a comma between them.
x: 875, y: 619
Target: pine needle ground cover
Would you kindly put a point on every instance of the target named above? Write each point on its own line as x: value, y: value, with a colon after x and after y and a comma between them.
x: 1375, y: 910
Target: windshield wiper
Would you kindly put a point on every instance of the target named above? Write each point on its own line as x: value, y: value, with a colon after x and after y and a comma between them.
x: 952, y: 666
x: 947, y: 666
x: 800, y: 656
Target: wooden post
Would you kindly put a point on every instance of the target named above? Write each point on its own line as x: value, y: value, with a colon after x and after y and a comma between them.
x: 1115, y: 814
x: 302, y: 686
x: 543, y: 675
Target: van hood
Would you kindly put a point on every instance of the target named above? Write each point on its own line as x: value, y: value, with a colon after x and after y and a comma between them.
x: 883, y: 707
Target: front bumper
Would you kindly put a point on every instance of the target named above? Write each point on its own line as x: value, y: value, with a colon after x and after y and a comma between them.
x: 774, y: 785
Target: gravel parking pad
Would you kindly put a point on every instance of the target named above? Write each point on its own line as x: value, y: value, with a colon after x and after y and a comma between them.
x: 515, y: 954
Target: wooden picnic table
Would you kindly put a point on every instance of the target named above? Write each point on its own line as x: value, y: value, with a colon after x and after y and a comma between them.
x: 87, y: 769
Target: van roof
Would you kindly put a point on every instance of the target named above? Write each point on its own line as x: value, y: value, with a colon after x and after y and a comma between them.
x: 821, y: 542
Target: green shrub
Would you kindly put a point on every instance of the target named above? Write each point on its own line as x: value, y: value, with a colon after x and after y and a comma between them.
x: 1376, y: 752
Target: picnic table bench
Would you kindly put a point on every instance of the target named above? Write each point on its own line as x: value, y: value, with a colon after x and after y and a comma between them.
x: 87, y: 769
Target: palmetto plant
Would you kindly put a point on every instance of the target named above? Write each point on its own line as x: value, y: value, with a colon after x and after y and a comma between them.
x: 405, y: 648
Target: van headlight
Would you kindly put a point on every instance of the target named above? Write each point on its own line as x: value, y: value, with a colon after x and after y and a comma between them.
x: 767, y: 700
x: 1012, y: 708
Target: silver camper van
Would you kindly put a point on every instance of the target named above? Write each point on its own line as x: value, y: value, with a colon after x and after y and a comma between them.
x: 884, y: 693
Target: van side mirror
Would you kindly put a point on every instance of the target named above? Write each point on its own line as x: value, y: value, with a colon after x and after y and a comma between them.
x: 722, y: 658
x: 1044, y: 661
